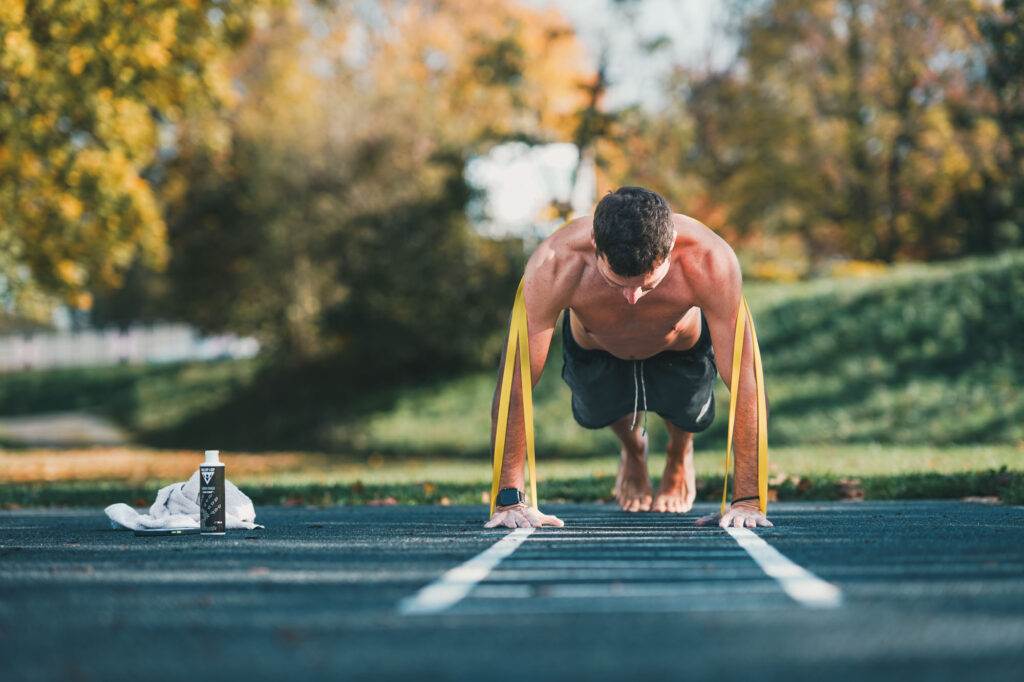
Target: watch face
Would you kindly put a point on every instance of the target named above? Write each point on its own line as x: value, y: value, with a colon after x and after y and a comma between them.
x: 509, y: 496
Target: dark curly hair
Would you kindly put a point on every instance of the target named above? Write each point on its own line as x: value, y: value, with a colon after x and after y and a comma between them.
x: 633, y: 229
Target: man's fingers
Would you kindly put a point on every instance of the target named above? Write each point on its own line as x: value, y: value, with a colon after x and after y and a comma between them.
x: 553, y: 520
x: 495, y: 520
x: 751, y: 522
x: 738, y: 521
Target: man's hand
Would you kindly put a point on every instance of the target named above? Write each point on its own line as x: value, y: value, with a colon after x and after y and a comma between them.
x: 742, y: 515
x: 521, y: 516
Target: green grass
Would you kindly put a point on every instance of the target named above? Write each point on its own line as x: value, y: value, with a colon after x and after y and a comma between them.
x: 144, y: 399
x: 924, y: 355
x: 803, y: 473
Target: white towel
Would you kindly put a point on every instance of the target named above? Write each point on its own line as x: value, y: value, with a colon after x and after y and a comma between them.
x: 177, y: 506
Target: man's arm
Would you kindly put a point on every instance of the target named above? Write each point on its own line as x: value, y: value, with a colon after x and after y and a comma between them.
x: 545, y: 298
x: 718, y: 295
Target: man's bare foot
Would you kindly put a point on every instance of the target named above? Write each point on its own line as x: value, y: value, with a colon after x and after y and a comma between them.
x: 678, y: 487
x: 633, y: 484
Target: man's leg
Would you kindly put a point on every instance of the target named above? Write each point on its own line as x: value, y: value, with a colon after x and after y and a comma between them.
x: 678, y: 487
x: 633, y: 484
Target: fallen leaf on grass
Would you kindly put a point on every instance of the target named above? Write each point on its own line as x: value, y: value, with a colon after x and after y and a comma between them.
x: 850, y: 489
x: 981, y: 499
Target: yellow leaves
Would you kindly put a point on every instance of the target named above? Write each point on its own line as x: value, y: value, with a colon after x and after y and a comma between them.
x: 76, y: 199
x: 19, y: 54
x: 71, y: 273
x: 12, y: 12
x: 482, y: 68
x: 78, y: 57
x: 70, y: 207
x: 166, y: 27
x: 40, y: 124
x: 127, y: 124
x: 31, y: 166
x: 218, y: 83
x: 152, y: 55
x: 82, y: 300
x: 111, y: 40
x: 860, y: 268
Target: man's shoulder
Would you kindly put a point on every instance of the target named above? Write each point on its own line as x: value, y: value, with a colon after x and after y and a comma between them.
x: 559, y: 261
x: 708, y: 262
x: 562, y: 255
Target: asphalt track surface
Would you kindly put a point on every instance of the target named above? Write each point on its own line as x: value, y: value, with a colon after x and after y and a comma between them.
x: 929, y: 590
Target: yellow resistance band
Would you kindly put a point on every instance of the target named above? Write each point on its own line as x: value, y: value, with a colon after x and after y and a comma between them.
x: 742, y: 315
x: 517, y: 334
x: 518, y: 337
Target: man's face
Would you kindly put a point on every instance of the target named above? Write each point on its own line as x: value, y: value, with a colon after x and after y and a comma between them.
x: 634, y: 288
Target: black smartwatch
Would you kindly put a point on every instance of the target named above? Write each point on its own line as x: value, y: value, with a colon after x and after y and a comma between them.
x: 509, y: 496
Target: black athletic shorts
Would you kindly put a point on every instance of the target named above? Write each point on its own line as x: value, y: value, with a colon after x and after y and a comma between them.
x: 679, y: 385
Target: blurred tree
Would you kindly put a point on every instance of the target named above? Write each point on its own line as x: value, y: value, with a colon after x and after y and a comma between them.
x: 877, y: 129
x: 842, y: 130
x: 993, y: 206
x: 336, y: 225
x: 89, y: 93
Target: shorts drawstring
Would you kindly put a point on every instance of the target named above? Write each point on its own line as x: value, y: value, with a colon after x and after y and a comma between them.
x: 643, y: 386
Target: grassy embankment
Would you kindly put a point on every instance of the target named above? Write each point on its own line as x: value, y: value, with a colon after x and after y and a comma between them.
x: 905, y: 385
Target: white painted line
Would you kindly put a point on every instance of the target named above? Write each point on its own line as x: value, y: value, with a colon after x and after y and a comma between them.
x: 798, y: 582
x: 453, y: 586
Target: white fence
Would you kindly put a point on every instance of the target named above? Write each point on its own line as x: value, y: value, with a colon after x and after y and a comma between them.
x: 137, y: 345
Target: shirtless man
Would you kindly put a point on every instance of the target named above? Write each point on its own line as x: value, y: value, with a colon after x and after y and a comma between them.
x: 650, y: 299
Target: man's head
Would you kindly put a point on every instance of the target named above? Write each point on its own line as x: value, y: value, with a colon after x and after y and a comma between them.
x: 633, y: 236
x: 633, y: 230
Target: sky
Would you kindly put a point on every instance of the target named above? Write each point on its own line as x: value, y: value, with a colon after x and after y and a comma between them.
x: 694, y: 28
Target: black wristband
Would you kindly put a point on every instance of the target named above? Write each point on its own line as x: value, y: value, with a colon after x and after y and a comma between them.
x: 744, y: 499
x: 508, y: 497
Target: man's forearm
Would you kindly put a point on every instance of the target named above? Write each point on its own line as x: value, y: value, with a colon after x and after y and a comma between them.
x: 745, y: 440
x: 515, y: 434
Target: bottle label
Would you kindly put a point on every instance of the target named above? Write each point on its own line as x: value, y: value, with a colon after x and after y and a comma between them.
x: 211, y: 499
